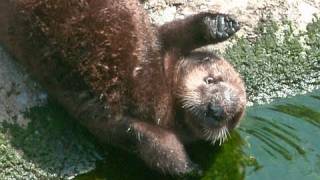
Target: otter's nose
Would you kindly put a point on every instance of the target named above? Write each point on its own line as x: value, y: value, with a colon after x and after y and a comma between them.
x: 216, y: 112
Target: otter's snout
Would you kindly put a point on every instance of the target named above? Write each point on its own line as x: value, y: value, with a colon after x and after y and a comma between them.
x: 215, y: 113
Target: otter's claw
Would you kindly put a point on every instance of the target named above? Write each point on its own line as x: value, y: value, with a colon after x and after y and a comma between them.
x: 220, y: 26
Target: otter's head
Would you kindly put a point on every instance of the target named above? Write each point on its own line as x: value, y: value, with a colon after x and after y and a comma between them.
x: 211, y: 94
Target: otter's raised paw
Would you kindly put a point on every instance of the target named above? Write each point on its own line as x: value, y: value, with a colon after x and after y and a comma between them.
x: 220, y: 26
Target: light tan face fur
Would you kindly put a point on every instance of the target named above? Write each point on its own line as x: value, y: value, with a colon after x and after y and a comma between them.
x: 212, y: 95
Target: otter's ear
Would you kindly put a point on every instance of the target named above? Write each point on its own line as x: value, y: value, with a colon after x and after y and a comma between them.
x: 196, y: 31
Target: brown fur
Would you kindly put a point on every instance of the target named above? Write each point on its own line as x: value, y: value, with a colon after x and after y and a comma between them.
x: 117, y: 74
x: 226, y: 93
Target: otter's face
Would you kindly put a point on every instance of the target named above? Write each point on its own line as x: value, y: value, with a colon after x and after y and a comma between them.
x: 212, y: 96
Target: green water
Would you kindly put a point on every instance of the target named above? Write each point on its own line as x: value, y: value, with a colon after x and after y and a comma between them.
x: 275, y: 141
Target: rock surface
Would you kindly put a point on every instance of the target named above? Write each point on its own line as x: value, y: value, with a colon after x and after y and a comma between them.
x: 248, y: 12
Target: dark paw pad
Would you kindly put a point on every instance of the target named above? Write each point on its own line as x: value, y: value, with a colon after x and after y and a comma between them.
x: 220, y: 26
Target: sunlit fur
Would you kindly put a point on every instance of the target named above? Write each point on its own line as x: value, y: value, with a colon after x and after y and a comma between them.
x: 195, y: 94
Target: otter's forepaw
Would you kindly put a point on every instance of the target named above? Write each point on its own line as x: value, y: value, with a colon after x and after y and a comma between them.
x: 195, y: 170
x: 220, y: 26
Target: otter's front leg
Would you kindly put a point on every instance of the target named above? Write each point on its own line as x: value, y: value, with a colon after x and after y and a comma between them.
x: 159, y: 148
x: 196, y: 31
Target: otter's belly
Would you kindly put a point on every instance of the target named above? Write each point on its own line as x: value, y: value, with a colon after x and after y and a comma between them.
x: 83, y: 53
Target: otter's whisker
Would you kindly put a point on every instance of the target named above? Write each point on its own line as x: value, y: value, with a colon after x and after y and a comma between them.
x: 228, y: 134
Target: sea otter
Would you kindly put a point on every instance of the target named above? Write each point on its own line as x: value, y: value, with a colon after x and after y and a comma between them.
x: 133, y: 85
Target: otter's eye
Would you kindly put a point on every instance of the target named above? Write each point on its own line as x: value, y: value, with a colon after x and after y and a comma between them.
x: 209, y: 80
